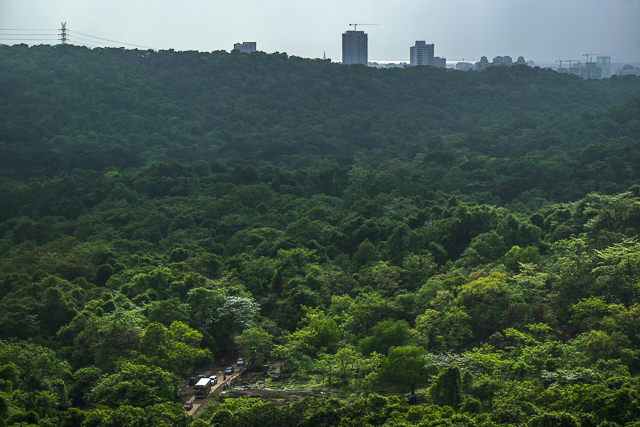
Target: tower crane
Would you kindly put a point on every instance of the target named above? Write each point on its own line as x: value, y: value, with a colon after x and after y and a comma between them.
x: 587, y: 55
x: 355, y: 26
x: 567, y: 60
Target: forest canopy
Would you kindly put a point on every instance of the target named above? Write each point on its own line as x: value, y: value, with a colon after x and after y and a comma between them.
x: 468, y: 236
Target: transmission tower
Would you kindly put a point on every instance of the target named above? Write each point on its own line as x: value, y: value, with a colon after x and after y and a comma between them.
x: 63, y: 33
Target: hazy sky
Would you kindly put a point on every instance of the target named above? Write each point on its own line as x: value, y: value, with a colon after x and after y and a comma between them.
x: 539, y: 30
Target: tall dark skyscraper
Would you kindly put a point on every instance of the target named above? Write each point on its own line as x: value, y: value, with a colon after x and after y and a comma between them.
x: 355, y: 48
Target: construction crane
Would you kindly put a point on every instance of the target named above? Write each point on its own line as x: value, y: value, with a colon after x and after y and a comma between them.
x: 587, y: 55
x: 355, y: 26
x: 567, y: 60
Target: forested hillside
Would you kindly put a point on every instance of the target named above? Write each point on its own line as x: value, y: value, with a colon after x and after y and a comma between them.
x: 470, y: 237
x: 67, y: 107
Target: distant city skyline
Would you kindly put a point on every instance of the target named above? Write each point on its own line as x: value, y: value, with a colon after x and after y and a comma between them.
x: 541, y: 30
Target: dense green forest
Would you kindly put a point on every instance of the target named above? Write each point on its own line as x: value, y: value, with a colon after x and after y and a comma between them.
x: 471, y: 237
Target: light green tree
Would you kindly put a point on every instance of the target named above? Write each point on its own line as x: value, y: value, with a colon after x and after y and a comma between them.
x: 175, y: 349
x: 256, y: 344
x: 135, y: 385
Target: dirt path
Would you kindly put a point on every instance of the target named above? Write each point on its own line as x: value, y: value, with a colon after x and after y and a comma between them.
x: 200, y: 404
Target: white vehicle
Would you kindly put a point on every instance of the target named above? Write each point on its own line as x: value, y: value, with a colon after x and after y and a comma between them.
x: 203, y: 387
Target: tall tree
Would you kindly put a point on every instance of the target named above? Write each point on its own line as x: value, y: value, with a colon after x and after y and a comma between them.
x: 406, y: 368
x: 256, y: 344
x: 446, y: 390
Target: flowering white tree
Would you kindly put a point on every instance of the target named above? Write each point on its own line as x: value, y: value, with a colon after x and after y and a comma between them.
x: 237, y: 313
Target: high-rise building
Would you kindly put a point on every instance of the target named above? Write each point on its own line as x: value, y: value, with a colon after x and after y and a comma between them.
x: 604, y: 62
x: 245, y: 47
x: 591, y: 70
x: 355, y: 48
x: 422, y: 53
x: 502, y: 60
x: 483, y: 64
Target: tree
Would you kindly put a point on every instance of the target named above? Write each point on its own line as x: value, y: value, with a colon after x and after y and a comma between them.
x: 325, y: 363
x: 324, y: 330
x: 83, y: 380
x: 386, y: 334
x: 317, y: 333
x: 105, y: 340
x: 382, y: 277
x: 256, y: 344
x: 135, y: 385
x: 167, y: 311
x: 361, y: 313
x: 446, y: 390
x: 528, y: 285
x: 485, y: 299
x: 38, y: 370
x: 555, y: 419
x: 483, y: 249
x: 602, y: 346
x: 365, y: 255
x: 347, y: 359
x: 406, y: 367
x: 175, y: 349
x: 518, y: 255
x: 445, y: 329
x: 418, y: 268
x: 237, y: 313
x: 203, y: 304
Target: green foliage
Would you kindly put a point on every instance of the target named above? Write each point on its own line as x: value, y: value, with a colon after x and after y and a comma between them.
x: 33, y: 368
x: 385, y: 335
x: 134, y: 385
x: 561, y: 419
x: 256, y: 344
x: 518, y: 255
x: 446, y: 389
x: 406, y: 368
x: 175, y: 349
x: 145, y: 224
x: 365, y: 255
x: 360, y: 314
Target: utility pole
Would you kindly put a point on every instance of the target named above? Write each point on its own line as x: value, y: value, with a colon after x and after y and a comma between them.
x: 63, y: 33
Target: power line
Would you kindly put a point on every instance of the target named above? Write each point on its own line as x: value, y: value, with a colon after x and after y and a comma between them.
x: 90, y: 43
x: 109, y: 40
x: 64, y: 35
x: 27, y: 29
x: 96, y: 34
x: 9, y: 37
x: 40, y: 40
x: 82, y: 41
x: 41, y: 35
